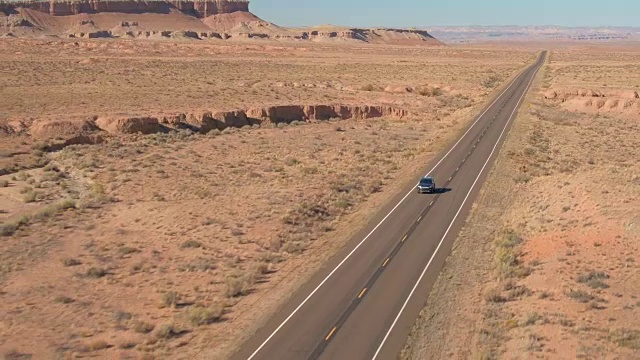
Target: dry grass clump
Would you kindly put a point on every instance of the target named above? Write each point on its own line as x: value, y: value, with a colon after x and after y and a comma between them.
x: 494, y: 296
x: 580, y: 296
x: 201, y: 315
x: 71, y: 262
x: 239, y: 285
x: 96, y: 272
x: 167, y: 331
x: 508, y: 258
x: 629, y: 338
x: 62, y: 299
x: 191, y: 244
x: 143, y: 327
x: 594, y: 279
x: 171, y: 299
x: 95, y: 345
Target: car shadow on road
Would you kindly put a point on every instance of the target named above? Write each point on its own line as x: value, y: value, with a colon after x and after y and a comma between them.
x: 442, y: 190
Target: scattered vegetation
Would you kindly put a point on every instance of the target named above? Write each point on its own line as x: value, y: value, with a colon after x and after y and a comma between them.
x: 95, y: 345
x: 199, y: 315
x: 14, y: 354
x: 143, y: 327
x: 580, y: 296
x: 532, y: 318
x: 71, y: 262
x: 126, y: 250
x: 492, y: 81
x: 594, y: 279
x: 494, y: 296
x: 191, y: 244
x: 628, y: 338
x: 507, y: 257
x: 239, y: 285
x: 171, y: 299
x: 167, y: 331
x: 63, y: 299
x: 96, y: 272
x: 30, y: 196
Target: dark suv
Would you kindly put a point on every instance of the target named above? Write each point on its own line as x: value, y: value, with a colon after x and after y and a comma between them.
x: 426, y: 185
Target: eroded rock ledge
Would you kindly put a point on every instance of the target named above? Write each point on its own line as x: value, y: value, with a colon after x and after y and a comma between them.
x: 88, y: 131
x: 198, y: 8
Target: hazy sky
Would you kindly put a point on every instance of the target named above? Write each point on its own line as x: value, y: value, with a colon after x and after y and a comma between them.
x: 408, y: 13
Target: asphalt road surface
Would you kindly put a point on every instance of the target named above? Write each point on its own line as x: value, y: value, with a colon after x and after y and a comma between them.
x: 364, y: 301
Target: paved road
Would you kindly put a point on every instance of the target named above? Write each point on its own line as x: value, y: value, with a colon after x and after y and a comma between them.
x: 363, y: 302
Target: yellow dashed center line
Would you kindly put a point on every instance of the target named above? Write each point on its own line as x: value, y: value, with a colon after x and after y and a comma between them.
x: 330, y: 334
x: 362, y: 293
x: 404, y: 238
x: 385, y: 262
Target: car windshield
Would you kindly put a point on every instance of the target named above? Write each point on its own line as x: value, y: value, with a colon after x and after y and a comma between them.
x: 426, y: 181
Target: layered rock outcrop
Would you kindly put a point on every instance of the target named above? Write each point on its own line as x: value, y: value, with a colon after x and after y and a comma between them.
x: 88, y: 131
x: 621, y: 101
x: 129, y: 125
x: 200, y: 9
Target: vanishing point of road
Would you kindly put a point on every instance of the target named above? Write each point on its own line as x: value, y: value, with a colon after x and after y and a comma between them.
x: 364, y: 301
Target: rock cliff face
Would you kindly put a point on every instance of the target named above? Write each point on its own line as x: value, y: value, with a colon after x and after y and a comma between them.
x: 200, y: 9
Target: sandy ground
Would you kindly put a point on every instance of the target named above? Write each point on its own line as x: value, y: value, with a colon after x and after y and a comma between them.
x: 180, y: 245
x: 547, y: 265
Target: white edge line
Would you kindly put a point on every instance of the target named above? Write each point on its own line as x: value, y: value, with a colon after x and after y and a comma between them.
x: 380, y: 223
x: 452, y: 221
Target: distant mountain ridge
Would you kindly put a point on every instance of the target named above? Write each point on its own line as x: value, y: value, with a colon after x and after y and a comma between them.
x: 461, y: 34
x: 175, y: 19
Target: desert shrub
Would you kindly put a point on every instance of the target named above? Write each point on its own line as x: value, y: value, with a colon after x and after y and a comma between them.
x: 199, y: 316
x: 491, y: 82
x: 369, y: 87
x: 10, y: 228
x: 167, y: 331
x: 71, y: 262
x: 170, y: 299
x: 96, y: 273
x: 628, y: 338
x: 430, y: 91
x: 594, y: 279
x: 291, y: 161
x: 191, y: 244
x: 30, y: 196
x: 310, y: 170
x: 295, y: 246
x: 54, y: 209
x: 14, y: 354
x: 580, y: 296
x: 494, y: 296
x: 126, y: 250
x: 4, y: 183
x: 143, y: 327
x: 63, y: 299
x: 532, y: 318
x: 261, y: 268
x: 239, y: 285
x: 508, y: 240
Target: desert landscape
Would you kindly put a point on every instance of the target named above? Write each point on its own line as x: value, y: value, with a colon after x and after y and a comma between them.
x: 554, y: 237
x: 161, y: 197
x: 172, y: 171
